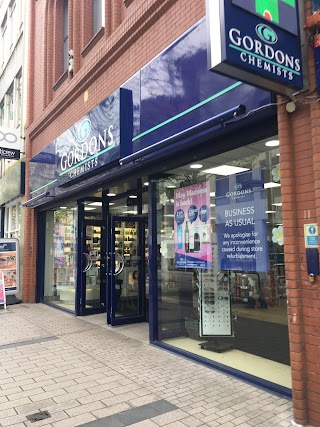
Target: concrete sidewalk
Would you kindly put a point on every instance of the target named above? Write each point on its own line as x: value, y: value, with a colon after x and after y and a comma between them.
x: 62, y: 371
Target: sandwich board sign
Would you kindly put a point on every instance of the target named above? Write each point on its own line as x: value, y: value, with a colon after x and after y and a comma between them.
x: 2, y: 291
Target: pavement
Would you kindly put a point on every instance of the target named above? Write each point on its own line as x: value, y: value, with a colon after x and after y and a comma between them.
x: 63, y: 371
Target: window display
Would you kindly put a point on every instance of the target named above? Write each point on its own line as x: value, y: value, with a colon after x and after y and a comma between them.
x: 60, y: 263
x: 221, y: 270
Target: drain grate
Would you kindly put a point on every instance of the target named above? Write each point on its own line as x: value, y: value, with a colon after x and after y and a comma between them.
x: 38, y: 416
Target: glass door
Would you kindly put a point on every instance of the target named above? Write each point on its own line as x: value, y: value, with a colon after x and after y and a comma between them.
x: 126, y: 271
x: 93, y: 270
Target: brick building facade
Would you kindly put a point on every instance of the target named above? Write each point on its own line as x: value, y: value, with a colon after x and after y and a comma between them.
x: 133, y: 33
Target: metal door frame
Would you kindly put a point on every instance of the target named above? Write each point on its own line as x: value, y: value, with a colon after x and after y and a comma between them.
x: 111, y: 278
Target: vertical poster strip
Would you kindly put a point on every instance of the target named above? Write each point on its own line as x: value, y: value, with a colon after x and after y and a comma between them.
x: 2, y: 291
x: 9, y: 264
x: 241, y: 222
x: 192, y: 226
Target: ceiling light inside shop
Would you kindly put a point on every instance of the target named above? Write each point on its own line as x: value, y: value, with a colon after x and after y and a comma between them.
x: 273, y: 143
x: 212, y: 205
x: 271, y: 185
x: 169, y: 216
x: 196, y: 166
x: 225, y: 170
x: 171, y: 186
x: 146, y: 184
x: 111, y: 194
x: 95, y: 204
x: 269, y: 212
x: 130, y: 212
x: 212, y: 194
x: 63, y: 207
x: 89, y: 209
x: 110, y: 204
x: 132, y: 196
x: 276, y: 204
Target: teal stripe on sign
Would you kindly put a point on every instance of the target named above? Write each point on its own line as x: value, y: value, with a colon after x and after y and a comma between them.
x: 189, y: 110
x: 46, y: 185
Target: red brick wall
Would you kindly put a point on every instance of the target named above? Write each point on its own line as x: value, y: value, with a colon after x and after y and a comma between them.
x: 300, y: 179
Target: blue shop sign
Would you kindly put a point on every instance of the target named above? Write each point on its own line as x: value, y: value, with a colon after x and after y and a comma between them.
x: 256, y: 41
x: 241, y: 222
x: 99, y: 138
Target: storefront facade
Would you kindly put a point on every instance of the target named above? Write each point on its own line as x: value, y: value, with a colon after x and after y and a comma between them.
x: 137, y: 245
x: 163, y: 202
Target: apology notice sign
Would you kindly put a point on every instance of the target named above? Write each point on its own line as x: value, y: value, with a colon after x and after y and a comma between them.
x: 241, y: 222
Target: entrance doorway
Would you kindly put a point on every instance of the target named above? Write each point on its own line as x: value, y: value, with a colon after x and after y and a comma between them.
x: 127, y: 270
x: 93, y: 268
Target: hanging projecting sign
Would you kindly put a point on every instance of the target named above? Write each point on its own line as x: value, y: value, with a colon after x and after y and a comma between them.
x: 241, y: 222
x: 256, y: 41
x: 9, y: 143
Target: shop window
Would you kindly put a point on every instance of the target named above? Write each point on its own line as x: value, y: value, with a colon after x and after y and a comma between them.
x: 221, y: 270
x: 12, y: 220
x: 60, y: 258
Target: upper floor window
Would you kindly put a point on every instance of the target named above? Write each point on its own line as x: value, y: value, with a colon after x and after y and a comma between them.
x: 2, y: 113
x: 97, y: 15
x: 10, y: 106
x: 65, y: 34
x: 13, y: 18
x: 4, y: 40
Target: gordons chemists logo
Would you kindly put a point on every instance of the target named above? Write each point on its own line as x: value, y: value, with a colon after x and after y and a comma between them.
x: 260, y: 52
x: 83, y: 156
x: 266, y: 34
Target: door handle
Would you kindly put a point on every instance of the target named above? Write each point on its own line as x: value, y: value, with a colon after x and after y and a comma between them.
x: 88, y: 262
x: 118, y: 268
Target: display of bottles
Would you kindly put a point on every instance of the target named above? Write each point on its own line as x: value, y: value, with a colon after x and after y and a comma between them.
x: 196, y: 242
x: 186, y: 238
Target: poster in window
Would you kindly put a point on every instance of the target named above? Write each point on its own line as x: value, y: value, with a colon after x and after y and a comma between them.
x: 192, y: 226
x: 9, y: 264
x: 241, y: 222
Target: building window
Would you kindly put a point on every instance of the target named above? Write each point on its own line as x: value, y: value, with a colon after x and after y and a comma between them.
x: 60, y: 257
x: 10, y: 106
x: 2, y: 122
x: 98, y: 16
x: 65, y: 34
x: 4, y: 40
x: 14, y: 29
x: 18, y: 99
x: 221, y: 257
x: 12, y: 220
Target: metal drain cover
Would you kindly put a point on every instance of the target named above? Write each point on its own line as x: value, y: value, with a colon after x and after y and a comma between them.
x: 38, y: 416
